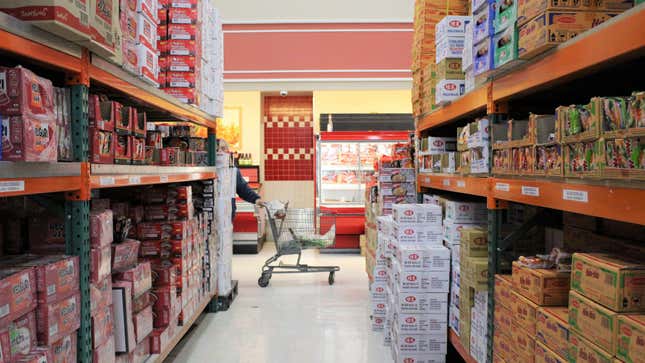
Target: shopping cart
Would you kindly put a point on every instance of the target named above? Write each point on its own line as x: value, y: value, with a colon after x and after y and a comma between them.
x: 295, y: 230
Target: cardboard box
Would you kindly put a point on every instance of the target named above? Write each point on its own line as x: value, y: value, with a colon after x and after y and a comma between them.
x: 423, y: 258
x: 421, y: 303
x: 483, y: 23
x: 582, y: 350
x: 64, y: 350
x: 105, y: 353
x: 474, y: 242
x: 17, y: 292
x: 452, y: 25
x: 140, y: 277
x: 102, y: 324
x: 474, y: 271
x: 506, y: 46
x: 420, y: 343
x: 503, y: 346
x: 28, y: 138
x: 57, y: 276
x: 124, y: 255
x: 465, y: 212
x: 100, y: 294
x: 545, y: 355
x: 450, y: 68
x: 503, y: 318
x: 630, y: 346
x: 449, y: 90
x: 397, y: 175
x: 23, y: 93
x: 102, y: 145
x: 551, y: 28
x: 615, y: 282
x: 529, y: 9
x: 523, y: 344
x: 543, y: 287
x: 439, y: 145
x: 148, y: 65
x: 483, y: 56
x: 415, y: 234
x: 398, y: 189
x: 18, y: 337
x: 143, y: 324
x: 422, y: 281
x: 57, y: 320
x: 449, y: 47
x: 552, y: 329
x: 592, y: 321
x: 419, y: 323
x: 505, y: 15
x: 579, y: 123
x: 66, y: 19
x: 426, y: 214
x: 104, y: 21
x: 524, y: 312
x: 124, y: 333
x: 503, y: 289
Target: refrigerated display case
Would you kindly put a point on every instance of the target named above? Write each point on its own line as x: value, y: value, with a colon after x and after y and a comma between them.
x: 344, y: 165
x: 249, y: 223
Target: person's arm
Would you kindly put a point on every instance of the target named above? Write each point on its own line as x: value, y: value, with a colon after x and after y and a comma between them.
x: 244, y: 191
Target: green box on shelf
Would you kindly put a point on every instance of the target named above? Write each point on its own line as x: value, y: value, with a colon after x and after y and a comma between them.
x: 505, y: 44
x: 579, y: 122
x: 505, y: 14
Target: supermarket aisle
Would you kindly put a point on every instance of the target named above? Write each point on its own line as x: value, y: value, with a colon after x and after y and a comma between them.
x: 298, y: 318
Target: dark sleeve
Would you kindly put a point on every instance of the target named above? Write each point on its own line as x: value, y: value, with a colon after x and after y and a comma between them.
x: 244, y: 191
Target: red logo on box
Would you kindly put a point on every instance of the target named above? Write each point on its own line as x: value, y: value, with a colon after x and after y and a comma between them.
x: 412, y: 278
x: 410, y: 320
x: 410, y: 340
x: 409, y: 213
x: 450, y: 86
x: 438, y: 143
x: 464, y: 208
x: 380, y: 306
x: 414, y: 257
x: 409, y: 231
x: 408, y: 360
x: 379, y: 289
x: 410, y: 299
x: 455, y: 23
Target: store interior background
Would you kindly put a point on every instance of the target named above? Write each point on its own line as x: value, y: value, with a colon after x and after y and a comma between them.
x: 317, y: 49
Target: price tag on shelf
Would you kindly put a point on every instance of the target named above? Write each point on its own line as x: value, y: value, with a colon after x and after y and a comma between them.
x: 134, y: 180
x: 446, y: 182
x: 427, y: 180
x: 503, y: 187
x: 530, y: 191
x: 461, y: 183
x: 575, y: 195
x: 163, y: 178
x: 107, y: 180
x: 12, y: 186
x: 196, y: 176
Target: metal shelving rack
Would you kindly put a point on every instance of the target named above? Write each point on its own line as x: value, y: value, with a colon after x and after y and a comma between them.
x: 619, y: 40
x: 84, y: 71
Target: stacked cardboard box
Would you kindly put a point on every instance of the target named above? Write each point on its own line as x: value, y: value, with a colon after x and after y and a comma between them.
x: 473, y: 143
x: 225, y: 192
x: 418, y: 284
x: 396, y: 186
x: 482, y: 32
x: 450, y: 37
x: 438, y: 155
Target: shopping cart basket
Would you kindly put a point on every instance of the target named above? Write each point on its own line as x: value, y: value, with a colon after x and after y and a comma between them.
x: 295, y: 230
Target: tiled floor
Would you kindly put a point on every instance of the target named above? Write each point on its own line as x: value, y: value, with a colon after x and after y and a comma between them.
x: 298, y: 318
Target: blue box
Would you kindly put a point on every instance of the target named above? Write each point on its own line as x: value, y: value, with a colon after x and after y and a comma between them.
x: 505, y: 14
x: 483, y: 56
x: 483, y: 23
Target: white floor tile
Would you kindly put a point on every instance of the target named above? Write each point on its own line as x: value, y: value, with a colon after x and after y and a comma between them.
x: 298, y: 318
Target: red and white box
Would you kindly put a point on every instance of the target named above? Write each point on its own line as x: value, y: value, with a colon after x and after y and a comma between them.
x: 138, y: 150
x: 22, y: 92
x: 427, y: 214
x: 143, y: 324
x: 422, y: 281
x: 102, y: 326
x: 141, y: 302
x: 64, y: 350
x: 166, y: 297
x: 420, y: 323
x: 159, y: 339
x: 124, y: 336
x: 139, y: 355
x: 426, y: 234
x: 167, y: 195
x: 100, y: 294
x: 422, y: 303
x: 56, y: 276
x: 101, y: 146
x: 100, y: 263
x: 126, y: 123
x: 423, y: 258
x: 140, y: 125
x: 104, y: 353
x: 163, y: 276
x: 183, y: 15
x: 185, y: 95
x: 164, y: 212
x: 102, y: 113
x: 146, y: 31
x: 17, y: 293
x: 57, y: 320
x: 30, y: 139
x: 67, y: 19
x: 186, y: 4
x: 19, y: 337
x: 148, y: 64
x: 124, y: 255
x: 149, y: 8
x: 104, y: 26
x: 182, y: 79
x: 140, y: 277
x: 123, y: 150
x: 183, y: 31
x: 161, y: 248
x: 46, y: 230
x: 36, y: 355
x: 162, y: 33
x: 101, y: 228
x: 163, y: 230
x: 130, y: 57
x: 182, y: 47
x: 420, y: 343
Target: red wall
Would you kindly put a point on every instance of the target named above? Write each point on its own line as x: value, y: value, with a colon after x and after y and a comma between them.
x: 270, y: 51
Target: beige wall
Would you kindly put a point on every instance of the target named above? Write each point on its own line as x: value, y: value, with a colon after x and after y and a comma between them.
x: 251, y: 106
x: 276, y: 11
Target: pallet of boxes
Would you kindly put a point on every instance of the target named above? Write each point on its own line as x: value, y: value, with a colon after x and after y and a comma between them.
x: 418, y: 284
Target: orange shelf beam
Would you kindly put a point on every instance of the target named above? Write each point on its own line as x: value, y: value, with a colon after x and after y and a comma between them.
x: 29, y: 186
x: 622, y: 204
x: 38, y: 52
x: 454, y: 183
x: 619, y: 37
x: 115, y: 181
x: 456, y: 343
x: 470, y: 103
x: 108, y: 79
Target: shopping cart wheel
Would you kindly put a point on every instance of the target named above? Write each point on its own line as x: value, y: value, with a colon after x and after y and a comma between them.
x: 331, y: 278
x: 263, y: 281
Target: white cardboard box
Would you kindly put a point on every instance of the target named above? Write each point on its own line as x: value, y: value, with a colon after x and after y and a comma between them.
x: 417, y: 234
x: 421, y: 343
x: 378, y: 323
x: 426, y: 214
x: 452, y: 230
x: 420, y: 323
x: 466, y: 212
x: 377, y: 290
x: 449, y: 90
x: 380, y: 273
x: 440, y: 145
x: 423, y: 258
x: 378, y: 307
x: 421, y: 303
x: 405, y: 357
x: 421, y: 281
x: 452, y: 25
x: 449, y: 47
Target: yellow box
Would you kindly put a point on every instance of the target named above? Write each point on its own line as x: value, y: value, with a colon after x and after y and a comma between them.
x: 528, y: 9
x: 524, y: 312
x: 503, y: 289
x: 474, y: 242
x: 503, y: 318
x: 630, y: 342
x: 543, y: 287
x: 450, y: 68
x: 523, y: 344
x: 546, y: 355
x: 503, y: 346
x: 474, y: 271
x: 593, y: 321
x: 552, y: 329
x: 582, y: 350
x: 612, y: 281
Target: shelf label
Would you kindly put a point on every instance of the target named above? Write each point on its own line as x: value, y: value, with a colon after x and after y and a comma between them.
x: 461, y: 183
x: 503, y: 187
x: 163, y: 178
x: 107, y: 180
x: 136, y: 180
x: 530, y: 191
x: 575, y: 195
x: 12, y: 186
x: 446, y: 182
x: 427, y: 180
x: 196, y: 176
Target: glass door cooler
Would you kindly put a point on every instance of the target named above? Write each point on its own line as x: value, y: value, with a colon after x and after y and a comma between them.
x: 344, y: 165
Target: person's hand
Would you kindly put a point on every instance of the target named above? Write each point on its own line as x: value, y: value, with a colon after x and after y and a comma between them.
x: 259, y: 202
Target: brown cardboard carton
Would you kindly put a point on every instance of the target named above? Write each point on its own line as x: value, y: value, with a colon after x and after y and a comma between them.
x: 543, y: 287
x: 593, y: 321
x: 552, y: 329
x: 450, y: 68
x: 474, y: 242
x: 503, y: 346
x: 582, y: 350
x: 546, y: 355
x: 615, y: 282
x: 524, y: 312
x: 474, y: 272
x: 528, y: 9
x: 503, y: 318
x: 630, y: 342
x: 503, y: 289
x: 523, y: 344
